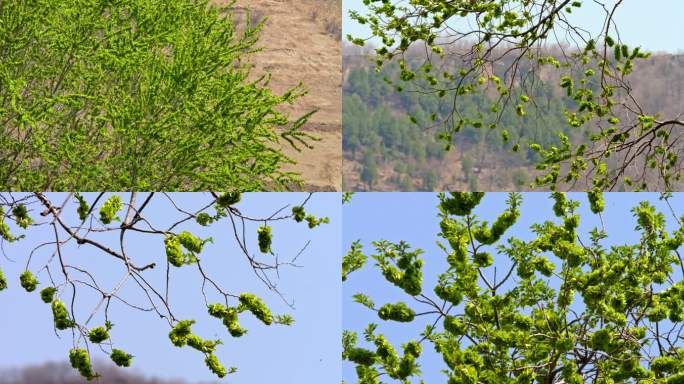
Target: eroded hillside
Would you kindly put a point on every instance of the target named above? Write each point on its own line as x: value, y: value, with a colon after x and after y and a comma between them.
x: 301, y: 43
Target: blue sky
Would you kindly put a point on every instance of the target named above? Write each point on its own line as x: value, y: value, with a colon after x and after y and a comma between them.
x: 307, y: 352
x: 413, y: 217
x: 655, y: 25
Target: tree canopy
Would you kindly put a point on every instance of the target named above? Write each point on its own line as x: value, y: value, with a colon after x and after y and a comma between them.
x: 84, y: 302
x: 138, y: 94
x: 500, y: 49
x: 558, y: 303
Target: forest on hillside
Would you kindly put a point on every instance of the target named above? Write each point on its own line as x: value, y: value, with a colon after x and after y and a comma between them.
x: 389, y: 142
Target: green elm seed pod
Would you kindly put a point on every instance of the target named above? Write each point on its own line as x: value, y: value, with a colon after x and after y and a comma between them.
x: 174, y: 253
x: 5, y: 232
x: 203, y: 219
x: 228, y: 199
x: 83, y: 207
x: 596, y: 201
x: 215, y: 366
x: 397, y: 312
x: 413, y: 348
x: 48, y: 294
x: 121, y: 358
x: 98, y: 335
x: 658, y: 313
x: 361, y: 356
x: 3, y: 281
x: 110, y: 208
x: 406, y: 366
x: 230, y: 320
x: 560, y: 205
x: 392, y: 274
x: 28, y: 281
x: 483, y: 259
x: 265, y: 238
x: 80, y: 360
x: 256, y: 307
x: 602, y: 340
x: 204, y: 346
x: 180, y: 332
x: 60, y: 315
x: 454, y: 325
x: 385, y: 349
x: 21, y: 216
x: 217, y: 310
x: 449, y: 293
x: 234, y: 327
x: 571, y: 223
x: 298, y: 213
x: 190, y: 242
x: 461, y: 203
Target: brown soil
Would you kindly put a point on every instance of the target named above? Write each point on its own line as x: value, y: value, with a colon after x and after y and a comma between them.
x: 301, y: 43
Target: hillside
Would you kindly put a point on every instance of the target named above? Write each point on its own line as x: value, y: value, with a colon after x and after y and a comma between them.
x: 309, y: 53
x: 385, y: 151
x: 63, y: 373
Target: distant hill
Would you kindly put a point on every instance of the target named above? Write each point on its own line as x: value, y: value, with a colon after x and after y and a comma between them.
x: 384, y: 150
x: 63, y: 373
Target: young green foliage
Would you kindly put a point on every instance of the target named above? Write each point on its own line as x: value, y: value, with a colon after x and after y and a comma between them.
x: 399, y: 266
x: 230, y: 318
x: 353, y: 260
x: 83, y: 207
x: 5, y: 233
x: 299, y: 215
x: 21, y: 216
x: 549, y: 305
x: 185, y: 239
x: 347, y: 197
x: 109, y: 209
x: 141, y: 95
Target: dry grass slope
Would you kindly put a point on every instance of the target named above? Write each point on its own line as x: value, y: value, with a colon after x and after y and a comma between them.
x: 301, y: 43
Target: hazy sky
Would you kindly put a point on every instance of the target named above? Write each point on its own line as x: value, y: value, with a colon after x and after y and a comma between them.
x: 655, y: 25
x: 307, y: 352
x: 413, y: 217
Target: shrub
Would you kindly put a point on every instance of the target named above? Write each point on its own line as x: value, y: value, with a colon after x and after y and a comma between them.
x: 144, y: 94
